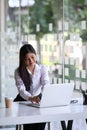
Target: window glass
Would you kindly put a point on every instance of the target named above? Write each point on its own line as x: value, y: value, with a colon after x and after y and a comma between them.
x: 58, y: 31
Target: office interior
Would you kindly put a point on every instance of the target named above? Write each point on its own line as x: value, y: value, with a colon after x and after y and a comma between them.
x: 57, y: 30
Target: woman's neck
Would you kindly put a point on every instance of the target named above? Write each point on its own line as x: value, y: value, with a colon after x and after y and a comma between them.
x: 31, y: 69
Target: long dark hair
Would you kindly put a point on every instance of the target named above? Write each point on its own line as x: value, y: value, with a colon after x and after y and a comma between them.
x: 24, y: 74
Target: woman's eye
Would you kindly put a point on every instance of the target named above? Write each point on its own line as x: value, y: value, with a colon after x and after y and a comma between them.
x: 26, y: 59
x: 32, y: 57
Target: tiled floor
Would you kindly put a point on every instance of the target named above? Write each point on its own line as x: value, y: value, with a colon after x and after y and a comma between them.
x: 77, y: 124
x: 13, y: 128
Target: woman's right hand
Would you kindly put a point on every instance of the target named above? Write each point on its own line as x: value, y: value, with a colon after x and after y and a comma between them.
x: 35, y: 99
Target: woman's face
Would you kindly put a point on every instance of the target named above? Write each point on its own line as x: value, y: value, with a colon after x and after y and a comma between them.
x: 30, y: 59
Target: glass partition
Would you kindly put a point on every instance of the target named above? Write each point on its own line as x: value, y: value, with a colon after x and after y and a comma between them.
x: 75, y: 43
x: 56, y: 29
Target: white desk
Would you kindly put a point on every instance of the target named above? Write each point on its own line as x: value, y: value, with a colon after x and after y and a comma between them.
x: 22, y: 113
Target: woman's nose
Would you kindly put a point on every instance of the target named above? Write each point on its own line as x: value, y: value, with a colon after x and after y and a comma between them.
x: 30, y: 59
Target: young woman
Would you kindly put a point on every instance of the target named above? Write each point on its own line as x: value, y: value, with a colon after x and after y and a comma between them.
x: 30, y: 79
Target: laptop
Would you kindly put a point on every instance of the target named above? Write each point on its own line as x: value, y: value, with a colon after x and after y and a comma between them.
x: 55, y: 95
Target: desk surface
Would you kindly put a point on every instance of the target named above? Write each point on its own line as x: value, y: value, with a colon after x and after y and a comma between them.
x: 22, y: 113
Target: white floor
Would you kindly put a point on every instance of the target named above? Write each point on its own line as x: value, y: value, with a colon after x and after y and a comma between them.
x: 77, y: 124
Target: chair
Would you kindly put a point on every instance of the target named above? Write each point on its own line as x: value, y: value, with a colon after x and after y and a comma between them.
x: 19, y: 127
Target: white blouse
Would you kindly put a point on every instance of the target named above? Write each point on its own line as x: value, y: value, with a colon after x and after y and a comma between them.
x: 39, y: 79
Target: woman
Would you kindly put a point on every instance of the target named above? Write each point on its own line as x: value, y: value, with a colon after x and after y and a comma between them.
x: 30, y: 79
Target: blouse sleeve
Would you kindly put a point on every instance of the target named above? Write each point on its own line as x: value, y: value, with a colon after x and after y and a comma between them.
x: 20, y: 86
x: 44, y: 75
